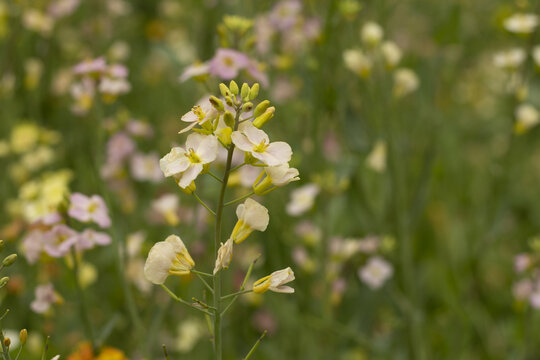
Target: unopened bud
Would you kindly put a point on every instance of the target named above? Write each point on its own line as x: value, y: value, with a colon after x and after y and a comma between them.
x: 261, y: 120
x: 224, y: 90
x: 7, y: 342
x: 224, y: 134
x: 229, y: 101
x: 4, y: 281
x: 1, y: 245
x: 23, y: 336
x: 229, y: 119
x: 254, y: 91
x: 261, y: 108
x: 216, y: 103
x: 233, y: 87
x: 244, y: 92
x: 9, y: 260
x: 247, y: 107
x: 190, y: 189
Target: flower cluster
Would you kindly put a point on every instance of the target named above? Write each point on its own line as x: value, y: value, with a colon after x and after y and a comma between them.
x: 387, y: 54
x: 110, y: 80
x: 526, y: 266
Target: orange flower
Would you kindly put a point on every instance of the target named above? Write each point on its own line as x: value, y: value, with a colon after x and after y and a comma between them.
x: 84, y: 352
x: 110, y: 353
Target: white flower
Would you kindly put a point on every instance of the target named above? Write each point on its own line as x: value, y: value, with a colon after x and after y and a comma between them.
x: 251, y: 216
x: 526, y: 117
x: 302, y: 199
x: 276, y: 176
x: 521, y: 23
x: 255, y: 142
x: 391, y: 54
x: 275, y: 282
x: 199, y: 114
x: 376, y: 160
x: 195, y: 70
x: 358, y: 62
x: 167, y: 206
x: 169, y: 257
x: 375, y: 272
x: 186, y: 164
x: 224, y: 256
x: 145, y: 167
x: 372, y: 34
x: 405, y: 82
x: 509, y: 59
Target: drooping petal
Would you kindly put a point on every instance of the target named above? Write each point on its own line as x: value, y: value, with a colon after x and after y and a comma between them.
x: 189, y: 175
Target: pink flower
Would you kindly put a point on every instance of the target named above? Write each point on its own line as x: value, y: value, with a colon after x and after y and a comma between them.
x: 85, y: 209
x: 285, y: 13
x: 254, y: 70
x: 89, y: 238
x: 45, y: 297
x: 522, y: 289
x: 59, y: 240
x: 119, y: 147
x: 33, y: 246
x: 226, y: 63
x: 521, y: 262
x: 118, y: 71
x: 195, y: 70
x: 90, y: 66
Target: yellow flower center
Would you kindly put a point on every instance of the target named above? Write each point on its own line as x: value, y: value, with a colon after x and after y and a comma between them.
x: 228, y: 61
x: 193, y: 157
x: 261, y: 147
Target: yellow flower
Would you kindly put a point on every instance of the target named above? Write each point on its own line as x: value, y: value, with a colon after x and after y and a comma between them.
x: 251, y: 216
x: 169, y: 257
x: 275, y: 282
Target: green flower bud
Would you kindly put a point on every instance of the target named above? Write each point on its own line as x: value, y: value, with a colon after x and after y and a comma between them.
x: 261, y: 108
x: 233, y: 87
x: 224, y: 90
x: 224, y: 134
x: 216, y: 103
x: 4, y: 281
x: 9, y: 260
x: 254, y: 92
x: 1, y: 245
x: 244, y: 93
x: 261, y: 120
x: 229, y: 119
x: 7, y: 342
x: 247, y: 107
x: 229, y: 101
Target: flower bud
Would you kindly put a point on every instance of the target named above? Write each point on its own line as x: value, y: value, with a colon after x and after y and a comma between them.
x: 229, y: 101
x: 216, y: 103
x: 247, y: 107
x: 244, y: 92
x: 23, y: 336
x: 190, y: 189
x: 233, y: 87
x: 261, y: 108
x: 7, y: 342
x: 261, y: 120
x: 9, y: 260
x: 4, y: 281
x: 1, y: 245
x: 254, y: 91
x: 229, y: 119
x: 224, y: 90
x: 224, y: 135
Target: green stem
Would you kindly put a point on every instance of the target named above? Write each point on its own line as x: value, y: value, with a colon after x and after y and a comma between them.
x: 236, y: 294
x: 214, y: 176
x: 203, y: 204
x: 5, y: 349
x: 217, y: 239
x: 205, y: 283
x: 45, y: 348
x: 243, y: 284
x: 165, y: 353
x: 239, y: 199
x: 180, y: 300
x: 201, y: 273
x: 255, y: 346
x: 238, y: 167
x: 83, y: 307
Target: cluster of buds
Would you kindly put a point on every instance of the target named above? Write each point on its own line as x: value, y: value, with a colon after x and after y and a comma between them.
x: 95, y: 74
x: 376, y: 51
x: 232, y: 122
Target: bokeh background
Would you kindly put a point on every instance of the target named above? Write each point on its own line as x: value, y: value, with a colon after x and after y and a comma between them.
x: 425, y: 159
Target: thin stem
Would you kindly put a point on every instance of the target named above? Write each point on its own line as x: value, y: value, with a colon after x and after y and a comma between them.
x: 83, y: 308
x: 5, y: 349
x: 239, y: 199
x: 201, y: 273
x: 203, y: 304
x: 236, y: 294
x: 165, y: 353
x: 203, y: 204
x: 217, y: 239
x: 19, y: 352
x: 45, y: 348
x: 205, y: 283
x: 237, y: 167
x: 180, y: 300
x: 243, y: 284
x: 214, y: 176
x: 255, y: 346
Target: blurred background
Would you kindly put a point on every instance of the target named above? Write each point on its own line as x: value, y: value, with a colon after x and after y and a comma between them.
x: 412, y: 232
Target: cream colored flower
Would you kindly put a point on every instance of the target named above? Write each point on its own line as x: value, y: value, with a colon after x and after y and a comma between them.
x: 526, y: 117
x: 405, y: 82
x: 224, y: 256
x: 274, y: 176
x: 376, y: 160
x: 521, y: 23
x: 391, y: 54
x: 255, y: 142
x: 275, y: 282
x: 200, y: 114
x: 169, y: 257
x: 302, y: 199
x: 372, y: 34
x: 186, y: 164
x: 376, y: 272
x: 509, y: 59
x: 356, y: 61
x: 251, y: 216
